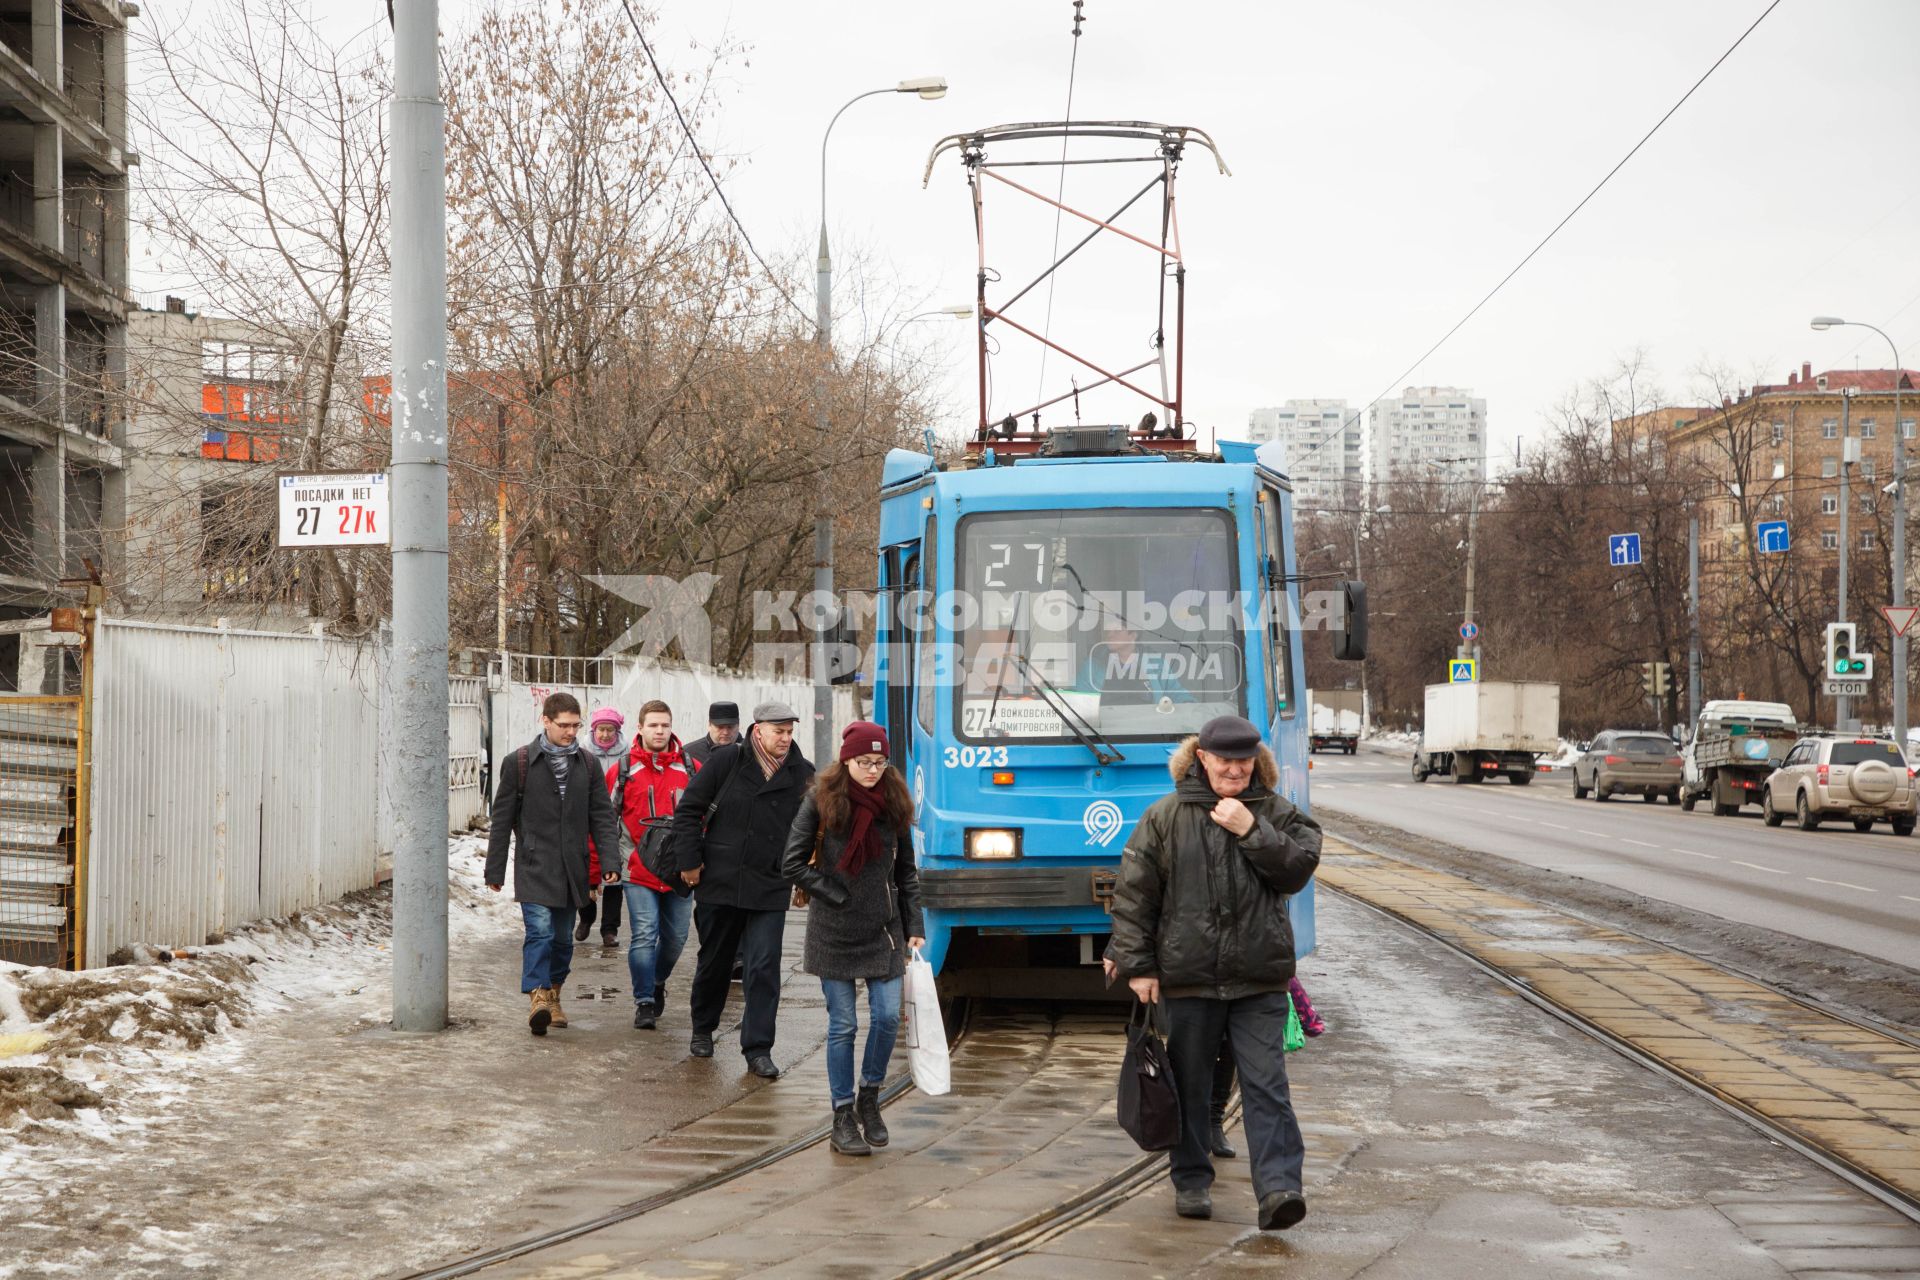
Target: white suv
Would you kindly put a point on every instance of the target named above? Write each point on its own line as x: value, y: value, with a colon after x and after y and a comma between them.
x: 1866, y: 780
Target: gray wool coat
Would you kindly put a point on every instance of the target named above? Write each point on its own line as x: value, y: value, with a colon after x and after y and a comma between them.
x: 549, y: 832
x: 856, y: 928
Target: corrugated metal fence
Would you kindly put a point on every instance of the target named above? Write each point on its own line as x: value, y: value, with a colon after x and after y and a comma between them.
x: 232, y: 772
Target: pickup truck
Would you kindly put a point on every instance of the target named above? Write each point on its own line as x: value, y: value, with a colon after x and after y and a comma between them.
x: 1736, y: 743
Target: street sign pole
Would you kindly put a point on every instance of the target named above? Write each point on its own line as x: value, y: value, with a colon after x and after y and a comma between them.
x: 415, y: 763
x: 1693, y: 621
x: 1841, y: 706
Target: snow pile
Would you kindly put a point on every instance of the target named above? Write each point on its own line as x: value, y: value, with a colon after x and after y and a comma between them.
x: 76, y: 1047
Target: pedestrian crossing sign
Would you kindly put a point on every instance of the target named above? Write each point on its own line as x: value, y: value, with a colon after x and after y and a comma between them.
x: 1463, y: 671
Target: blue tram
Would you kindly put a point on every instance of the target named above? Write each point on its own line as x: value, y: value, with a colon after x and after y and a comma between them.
x: 1055, y: 621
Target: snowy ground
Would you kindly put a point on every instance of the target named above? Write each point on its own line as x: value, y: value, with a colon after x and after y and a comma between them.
x: 1402, y: 742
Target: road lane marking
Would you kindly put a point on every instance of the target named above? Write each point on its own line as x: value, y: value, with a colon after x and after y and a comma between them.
x: 1514, y: 817
x: 1642, y: 843
x: 1841, y: 883
x: 1604, y: 835
x: 1556, y: 826
x: 1398, y: 786
x: 1757, y: 867
x: 1909, y: 898
x: 1711, y: 857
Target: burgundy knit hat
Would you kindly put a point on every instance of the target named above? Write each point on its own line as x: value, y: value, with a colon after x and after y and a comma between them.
x: 862, y: 738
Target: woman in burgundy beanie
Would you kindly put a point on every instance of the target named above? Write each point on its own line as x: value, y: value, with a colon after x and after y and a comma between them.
x: 851, y: 851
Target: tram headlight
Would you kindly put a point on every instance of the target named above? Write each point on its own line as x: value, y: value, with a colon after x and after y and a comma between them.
x: 993, y: 843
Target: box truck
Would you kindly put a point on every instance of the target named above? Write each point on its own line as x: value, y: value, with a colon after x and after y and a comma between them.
x: 1490, y: 729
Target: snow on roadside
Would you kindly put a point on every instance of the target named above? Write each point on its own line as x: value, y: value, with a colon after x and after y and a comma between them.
x: 94, y: 1053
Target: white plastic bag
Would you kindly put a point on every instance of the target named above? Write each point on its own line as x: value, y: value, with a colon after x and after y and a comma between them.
x: 926, y: 1033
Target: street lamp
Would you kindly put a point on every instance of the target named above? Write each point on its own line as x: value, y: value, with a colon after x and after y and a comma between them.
x: 1821, y: 324
x: 926, y: 88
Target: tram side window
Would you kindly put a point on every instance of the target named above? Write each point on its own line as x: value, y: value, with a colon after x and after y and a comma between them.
x: 924, y: 637
x: 1279, y: 638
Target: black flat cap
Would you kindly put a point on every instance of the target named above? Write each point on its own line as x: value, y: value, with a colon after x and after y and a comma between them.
x: 723, y: 713
x: 1230, y: 738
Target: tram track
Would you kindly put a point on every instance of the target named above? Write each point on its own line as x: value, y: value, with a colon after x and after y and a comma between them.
x: 1899, y: 1197
x: 474, y: 1263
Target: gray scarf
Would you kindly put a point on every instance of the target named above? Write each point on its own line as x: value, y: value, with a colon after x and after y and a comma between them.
x: 559, y: 759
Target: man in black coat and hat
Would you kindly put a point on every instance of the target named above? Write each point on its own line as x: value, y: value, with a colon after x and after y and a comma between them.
x: 551, y: 797
x: 728, y: 833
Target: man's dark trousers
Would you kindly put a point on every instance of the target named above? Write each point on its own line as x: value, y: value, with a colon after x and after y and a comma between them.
x: 1258, y: 1028
x: 756, y: 937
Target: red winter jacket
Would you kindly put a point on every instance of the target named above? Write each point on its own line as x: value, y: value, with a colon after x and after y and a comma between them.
x: 655, y: 780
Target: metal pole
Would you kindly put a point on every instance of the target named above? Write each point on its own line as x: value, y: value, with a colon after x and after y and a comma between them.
x: 1693, y: 621
x: 1473, y: 525
x: 500, y: 554
x: 1841, y: 703
x: 1899, y: 565
x: 417, y: 693
x: 1364, y: 708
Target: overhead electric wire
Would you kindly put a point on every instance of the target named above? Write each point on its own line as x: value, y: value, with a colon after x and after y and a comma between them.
x: 1531, y: 253
x: 700, y: 155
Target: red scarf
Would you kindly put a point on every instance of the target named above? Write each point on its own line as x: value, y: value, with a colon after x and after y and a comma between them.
x: 863, y: 838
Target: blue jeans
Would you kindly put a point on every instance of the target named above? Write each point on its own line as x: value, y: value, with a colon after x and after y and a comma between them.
x: 546, y: 958
x: 883, y: 1026
x: 657, y: 926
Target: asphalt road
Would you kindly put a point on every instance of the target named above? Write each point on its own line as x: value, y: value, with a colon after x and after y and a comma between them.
x: 1834, y: 886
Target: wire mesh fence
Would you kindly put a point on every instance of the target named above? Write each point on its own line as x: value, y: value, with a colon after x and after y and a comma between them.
x: 41, y: 815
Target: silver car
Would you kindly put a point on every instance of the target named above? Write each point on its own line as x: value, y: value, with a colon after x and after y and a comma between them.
x: 1864, y: 780
x: 1628, y: 761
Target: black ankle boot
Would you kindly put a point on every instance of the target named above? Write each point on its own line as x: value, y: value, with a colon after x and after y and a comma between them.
x: 1217, y: 1137
x: 867, y: 1107
x: 846, y: 1137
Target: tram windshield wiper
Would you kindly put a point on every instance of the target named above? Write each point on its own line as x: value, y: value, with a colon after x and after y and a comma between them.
x: 1088, y: 736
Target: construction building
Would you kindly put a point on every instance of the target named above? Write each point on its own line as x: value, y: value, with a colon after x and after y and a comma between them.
x: 63, y: 290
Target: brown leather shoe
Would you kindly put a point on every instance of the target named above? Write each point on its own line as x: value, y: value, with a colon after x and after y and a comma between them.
x: 539, y: 1010
x: 553, y: 1006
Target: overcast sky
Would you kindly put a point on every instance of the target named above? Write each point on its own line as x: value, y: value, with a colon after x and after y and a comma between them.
x: 1391, y: 160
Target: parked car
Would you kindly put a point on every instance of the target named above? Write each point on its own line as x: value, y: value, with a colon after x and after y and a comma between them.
x: 1865, y: 780
x: 1630, y: 761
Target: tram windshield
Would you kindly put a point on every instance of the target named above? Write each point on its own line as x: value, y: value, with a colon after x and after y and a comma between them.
x: 1126, y: 623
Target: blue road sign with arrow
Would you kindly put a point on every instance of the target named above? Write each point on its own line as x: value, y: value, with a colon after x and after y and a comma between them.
x: 1772, y: 535
x: 1623, y: 548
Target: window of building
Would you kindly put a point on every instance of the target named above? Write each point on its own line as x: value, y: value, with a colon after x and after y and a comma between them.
x: 1829, y: 467
x: 1830, y: 429
x: 1779, y: 503
x: 1829, y: 505
x: 1866, y: 468
x: 1866, y: 539
x: 1906, y: 428
x: 1779, y: 432
x: 1867, y: 429
x: 1830, y: 541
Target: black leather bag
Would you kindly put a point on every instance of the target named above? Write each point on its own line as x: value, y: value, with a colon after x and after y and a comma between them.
x: 1149, y: 1105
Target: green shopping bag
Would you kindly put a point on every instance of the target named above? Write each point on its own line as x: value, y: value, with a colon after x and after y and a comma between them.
x: 1296, y: 1034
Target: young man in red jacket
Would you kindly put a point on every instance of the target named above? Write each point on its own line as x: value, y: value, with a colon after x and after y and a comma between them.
x: 658, y: 915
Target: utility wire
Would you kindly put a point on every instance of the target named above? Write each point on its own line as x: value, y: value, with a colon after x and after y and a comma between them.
x: 1461, y: 322
x: 700, y: 155
x: 1059, y: 197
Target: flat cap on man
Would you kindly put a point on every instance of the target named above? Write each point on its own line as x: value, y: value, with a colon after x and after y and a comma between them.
x: 774, y: 713
x: 1230, y: 738
x: 723, y: 713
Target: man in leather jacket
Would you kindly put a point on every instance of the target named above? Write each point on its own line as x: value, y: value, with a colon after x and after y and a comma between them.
x: 1200, y: 922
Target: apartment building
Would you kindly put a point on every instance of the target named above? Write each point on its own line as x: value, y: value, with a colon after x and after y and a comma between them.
x: 63, y: 279
x: 1429, y: 433
x: 1326, y: 456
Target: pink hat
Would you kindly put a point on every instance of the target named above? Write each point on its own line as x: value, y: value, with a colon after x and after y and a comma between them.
x: 606, y: 715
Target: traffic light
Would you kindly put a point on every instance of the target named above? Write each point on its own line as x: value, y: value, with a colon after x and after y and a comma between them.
x: 1845, y: 660
x: 1654, y: 679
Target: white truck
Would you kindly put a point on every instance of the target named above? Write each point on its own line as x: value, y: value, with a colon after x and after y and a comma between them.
x: 1491, y: 729
x: 1736, y: 743
x: 1333, y: 720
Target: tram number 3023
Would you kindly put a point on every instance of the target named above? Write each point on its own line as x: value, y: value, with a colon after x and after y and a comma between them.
x: 974, y: 757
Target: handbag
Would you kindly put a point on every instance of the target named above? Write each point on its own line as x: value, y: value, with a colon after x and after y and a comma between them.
x: 1148, y: 1106
x: 800, y: 896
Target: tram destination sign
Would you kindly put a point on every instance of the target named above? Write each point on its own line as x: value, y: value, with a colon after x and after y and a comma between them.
x: 334, y: 509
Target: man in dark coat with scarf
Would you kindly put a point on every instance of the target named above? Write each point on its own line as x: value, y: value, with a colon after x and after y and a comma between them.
x: 1200, y: 921
x: 551, y: 797
x: 728, y: 832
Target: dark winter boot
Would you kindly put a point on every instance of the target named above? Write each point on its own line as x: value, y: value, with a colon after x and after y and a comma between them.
x: 1217, y: 1136
x: 867, y: 1107
x: 643, y: 1019
x: 846, y: 1137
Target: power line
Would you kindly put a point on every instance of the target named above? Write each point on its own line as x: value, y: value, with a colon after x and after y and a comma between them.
x: 1461, y: 322
x: 701, y: 156
x: 1059, y: 197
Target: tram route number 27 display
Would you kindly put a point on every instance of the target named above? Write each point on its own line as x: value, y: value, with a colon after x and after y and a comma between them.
x: 334, y: 509
x: 975, y: 757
